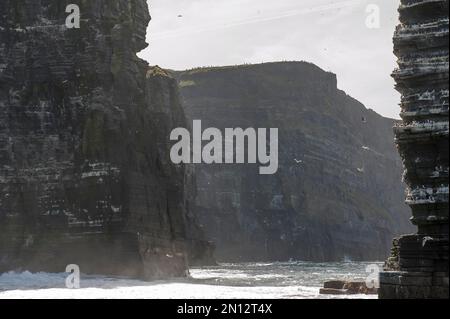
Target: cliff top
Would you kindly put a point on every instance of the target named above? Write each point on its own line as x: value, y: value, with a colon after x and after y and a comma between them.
x: 265, y: 65
x: 282, y: 76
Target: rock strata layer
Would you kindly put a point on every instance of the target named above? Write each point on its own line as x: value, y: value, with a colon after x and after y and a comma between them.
x: 418, y: 267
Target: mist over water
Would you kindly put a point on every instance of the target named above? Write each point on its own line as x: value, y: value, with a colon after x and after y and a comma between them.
x: 243, y: 280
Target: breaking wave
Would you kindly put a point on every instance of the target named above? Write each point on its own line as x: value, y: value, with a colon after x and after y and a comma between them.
x: 241, y: 281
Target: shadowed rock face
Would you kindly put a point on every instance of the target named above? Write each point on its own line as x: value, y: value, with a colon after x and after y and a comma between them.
x: 338, y: 191
x: 418, y: 267
x: 85, y: 175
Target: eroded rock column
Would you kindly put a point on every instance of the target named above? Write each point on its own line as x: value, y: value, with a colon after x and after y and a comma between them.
x: 418, y: 267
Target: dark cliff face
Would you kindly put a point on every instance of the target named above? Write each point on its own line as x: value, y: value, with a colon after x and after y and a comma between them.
x: 338, y: 191
x: 85, y: 176
x: 418, y: 266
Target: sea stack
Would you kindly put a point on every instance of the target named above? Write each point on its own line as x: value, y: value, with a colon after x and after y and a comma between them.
x: 418, y: 267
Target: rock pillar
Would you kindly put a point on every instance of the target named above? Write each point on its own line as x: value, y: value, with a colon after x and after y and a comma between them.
x: 418, y: 266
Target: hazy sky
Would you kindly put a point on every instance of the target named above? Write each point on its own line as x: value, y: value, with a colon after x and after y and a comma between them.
x: 332, y: 34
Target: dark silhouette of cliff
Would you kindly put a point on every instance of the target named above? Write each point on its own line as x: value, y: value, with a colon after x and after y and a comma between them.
x: 85, y: 175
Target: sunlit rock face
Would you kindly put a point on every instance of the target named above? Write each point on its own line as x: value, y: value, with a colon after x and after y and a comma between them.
x: 337, y: 194
x: 85, y: 175
x: 418, y: 267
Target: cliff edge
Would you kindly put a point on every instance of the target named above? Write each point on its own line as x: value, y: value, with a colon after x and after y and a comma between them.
x: 85, y: 176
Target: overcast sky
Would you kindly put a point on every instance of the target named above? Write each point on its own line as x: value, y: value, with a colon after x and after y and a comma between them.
x: 330, y: 33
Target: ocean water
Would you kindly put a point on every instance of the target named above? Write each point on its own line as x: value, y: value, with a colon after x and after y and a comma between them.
x: 289, y: 280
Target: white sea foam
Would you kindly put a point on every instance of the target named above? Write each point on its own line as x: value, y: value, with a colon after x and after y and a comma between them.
x: 232, y: 281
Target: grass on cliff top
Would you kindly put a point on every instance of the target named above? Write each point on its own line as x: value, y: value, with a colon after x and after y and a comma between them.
x: 157, y: 71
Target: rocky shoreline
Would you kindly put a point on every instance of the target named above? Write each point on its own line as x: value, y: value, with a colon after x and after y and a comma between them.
x: 342, y: 287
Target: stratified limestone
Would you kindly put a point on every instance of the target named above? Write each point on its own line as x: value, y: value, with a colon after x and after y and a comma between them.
x: 336, y: 194
x: 85, y: 175
x: 418, y: 267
